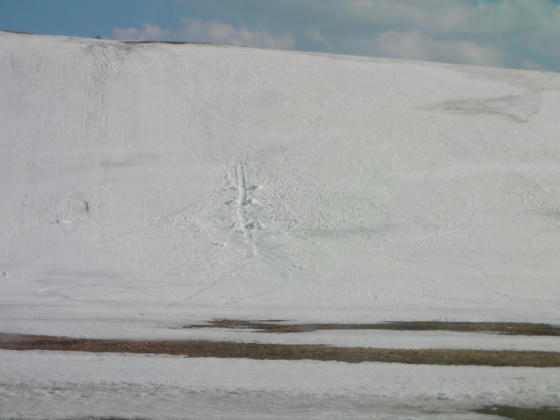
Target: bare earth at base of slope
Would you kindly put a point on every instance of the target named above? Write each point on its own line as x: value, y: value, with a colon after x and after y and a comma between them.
x: 261, y: 351
x: 521, y: 413
x: 280, y: 326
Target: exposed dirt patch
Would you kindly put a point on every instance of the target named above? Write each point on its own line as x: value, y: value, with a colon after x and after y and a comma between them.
x: 276, y: 326
x: 519, y: 413
x: 105, y: 418
x: 283, y: 351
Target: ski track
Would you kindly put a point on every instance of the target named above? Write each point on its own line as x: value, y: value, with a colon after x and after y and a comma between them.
x: 245, y: 224
x: 249, y: 226
x: 242, y: 201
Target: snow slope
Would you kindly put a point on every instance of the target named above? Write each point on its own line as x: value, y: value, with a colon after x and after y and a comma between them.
x: 151, y: 184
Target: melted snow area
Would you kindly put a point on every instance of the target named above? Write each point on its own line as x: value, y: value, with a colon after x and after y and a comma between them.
x: 147, y: 186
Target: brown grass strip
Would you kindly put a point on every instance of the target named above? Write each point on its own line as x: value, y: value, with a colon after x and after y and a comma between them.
x: 521, y: 413
x: 276, y: 326
x: 282, y: 351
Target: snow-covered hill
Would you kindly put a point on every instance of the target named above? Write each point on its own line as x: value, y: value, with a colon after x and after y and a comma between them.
x: 172, y: 182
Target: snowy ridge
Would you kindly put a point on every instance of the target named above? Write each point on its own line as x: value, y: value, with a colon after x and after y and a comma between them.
x: 198, y: 181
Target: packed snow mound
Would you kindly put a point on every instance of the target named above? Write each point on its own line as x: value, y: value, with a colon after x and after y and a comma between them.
x: 204, y: 180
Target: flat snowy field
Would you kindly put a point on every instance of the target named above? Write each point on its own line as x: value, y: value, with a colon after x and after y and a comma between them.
x: 148, y: 186
x: 68, y: 385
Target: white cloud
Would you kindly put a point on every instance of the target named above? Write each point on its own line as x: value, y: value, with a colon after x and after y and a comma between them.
x: 223, y: 33
x: 196, y: 30
x: 435, y: 15
x: 458, y: 16
x: 149, y: 32
x: 417, y: 46
x: 513, y: 33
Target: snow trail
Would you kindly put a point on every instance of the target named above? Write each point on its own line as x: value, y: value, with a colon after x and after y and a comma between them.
x: 242, y: 198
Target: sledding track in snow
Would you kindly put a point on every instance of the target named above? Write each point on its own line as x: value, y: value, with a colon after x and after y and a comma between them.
x: 244, y: 201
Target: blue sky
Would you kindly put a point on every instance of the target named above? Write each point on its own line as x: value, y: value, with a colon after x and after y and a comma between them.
x: 508, y: 33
